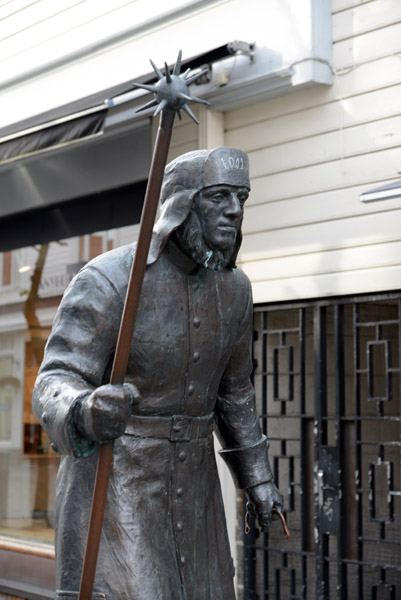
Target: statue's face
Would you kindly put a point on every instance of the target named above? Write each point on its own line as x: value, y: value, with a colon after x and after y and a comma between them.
x: 220, y: 209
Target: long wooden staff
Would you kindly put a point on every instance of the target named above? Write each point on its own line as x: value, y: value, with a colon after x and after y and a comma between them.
x: 171, y: 95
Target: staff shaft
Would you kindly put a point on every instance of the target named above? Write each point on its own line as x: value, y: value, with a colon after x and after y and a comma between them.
x: 124, y: 341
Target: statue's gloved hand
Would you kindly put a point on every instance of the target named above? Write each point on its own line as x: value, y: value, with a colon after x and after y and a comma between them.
x: 261, y: 500
x: 105, y: 413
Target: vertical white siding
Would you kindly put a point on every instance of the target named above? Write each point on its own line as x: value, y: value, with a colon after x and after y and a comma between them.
x: 312, y: 153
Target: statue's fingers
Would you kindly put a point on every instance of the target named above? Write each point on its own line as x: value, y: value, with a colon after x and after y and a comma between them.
x: 264, y: 517
x: 275, y: 515
x: 250, y: 509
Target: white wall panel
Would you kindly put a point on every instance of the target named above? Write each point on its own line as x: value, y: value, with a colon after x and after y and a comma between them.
x: 185, y: 136
x: 335, y: 261
x: 312, y: 153
x: 11, y: 7
x: 365, y: 17
x: 373, y: 167
x: 339, y: 5
x: 332, y: 116
x: 361, y: 79
x: 332, y: 146
x: 312, y: 208
x: 320, y: 237
x: 367, y: 47
x: 332, y: 284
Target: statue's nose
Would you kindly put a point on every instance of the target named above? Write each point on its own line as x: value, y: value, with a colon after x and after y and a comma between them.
x: 233, y: 207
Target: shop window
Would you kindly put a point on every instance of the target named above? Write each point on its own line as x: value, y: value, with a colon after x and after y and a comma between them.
x: 93, y: 244
x: 28, y: 465
x: 6, y: 271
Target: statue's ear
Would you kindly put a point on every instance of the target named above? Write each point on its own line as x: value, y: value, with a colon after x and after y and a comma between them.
x: 173, y: 213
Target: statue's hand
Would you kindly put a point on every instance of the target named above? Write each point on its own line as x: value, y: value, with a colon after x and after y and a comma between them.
x: 105, y: 413
x: 262, y: 499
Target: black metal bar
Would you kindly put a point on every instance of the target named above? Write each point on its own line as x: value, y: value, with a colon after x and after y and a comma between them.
x: 342, y: 593
x: 249, y: 561
x: 357, y: 412
x: 264, y: 369
x: 320, y: 371
x: 307, y: 462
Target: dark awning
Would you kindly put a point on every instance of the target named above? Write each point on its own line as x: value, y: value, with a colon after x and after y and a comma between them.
x: 53, y: 134
x: 96, y: 212
x: 70, y: 171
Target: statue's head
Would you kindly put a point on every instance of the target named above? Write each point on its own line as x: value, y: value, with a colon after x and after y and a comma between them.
x: 202, y: 197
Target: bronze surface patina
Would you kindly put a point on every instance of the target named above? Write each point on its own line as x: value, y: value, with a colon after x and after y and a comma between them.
x: 187, y: 373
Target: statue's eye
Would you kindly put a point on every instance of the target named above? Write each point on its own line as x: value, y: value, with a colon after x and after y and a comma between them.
x: 218, y: 196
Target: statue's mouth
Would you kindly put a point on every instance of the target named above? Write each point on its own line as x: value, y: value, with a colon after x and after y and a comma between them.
x: 231, y: 229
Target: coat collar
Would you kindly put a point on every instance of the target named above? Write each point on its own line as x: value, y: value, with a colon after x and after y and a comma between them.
x: 179, y: 258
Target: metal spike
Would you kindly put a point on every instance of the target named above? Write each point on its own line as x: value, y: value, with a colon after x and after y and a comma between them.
x: 161, y: 106
x: 156, y: 69
x: 179, y: 114
x: 199, y: 100
x: 147, y: 105
x: 195, y: 77
x: 168, y: 75
x: 186, y: 73
x: 190, y: 113
x: 184, y: 96
x: 146, y: 86
x: 177, y: 66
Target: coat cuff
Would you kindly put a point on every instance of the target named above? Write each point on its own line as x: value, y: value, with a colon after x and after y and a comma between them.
x: 82, y: 447
x: 57, y: 418
x: 248, y: 465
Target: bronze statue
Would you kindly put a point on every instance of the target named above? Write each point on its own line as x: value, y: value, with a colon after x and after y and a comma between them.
x: 164, y: 534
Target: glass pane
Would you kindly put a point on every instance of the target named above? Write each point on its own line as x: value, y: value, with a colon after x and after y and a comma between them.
x: 31, y: 288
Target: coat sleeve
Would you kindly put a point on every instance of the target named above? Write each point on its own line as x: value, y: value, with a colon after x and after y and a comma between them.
x: 244, y: 445
x: 77, y: 353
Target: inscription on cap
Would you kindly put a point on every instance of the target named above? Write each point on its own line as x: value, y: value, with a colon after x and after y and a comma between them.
x: 233, y: 163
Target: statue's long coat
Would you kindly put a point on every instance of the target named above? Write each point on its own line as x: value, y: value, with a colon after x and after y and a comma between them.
x: 164, y: 534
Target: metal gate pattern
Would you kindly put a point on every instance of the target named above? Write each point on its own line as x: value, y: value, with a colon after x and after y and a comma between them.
x: 327, y: 381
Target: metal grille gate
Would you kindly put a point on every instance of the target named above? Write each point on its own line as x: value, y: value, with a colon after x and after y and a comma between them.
x: 327, y: 380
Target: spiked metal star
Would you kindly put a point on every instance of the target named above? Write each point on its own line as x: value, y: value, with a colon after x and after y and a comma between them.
x: 172, y: 90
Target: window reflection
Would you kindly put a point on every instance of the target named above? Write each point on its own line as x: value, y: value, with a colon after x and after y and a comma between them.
x: 32, y: 282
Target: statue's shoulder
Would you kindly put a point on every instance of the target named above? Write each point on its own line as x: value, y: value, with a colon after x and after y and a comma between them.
x: 241, y: 280
x: 118, y: 258
x: 112, y: 266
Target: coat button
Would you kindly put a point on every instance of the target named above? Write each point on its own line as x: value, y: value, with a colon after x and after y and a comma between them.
x: 182, y: 456
x: 180, y: 526
x: 196, y: 321
x: 183, y: 560
x: 53, y: 445
x: 180, y: 492
x: 196, y: 357
x: 191, y: 389
x: 45, y: 418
